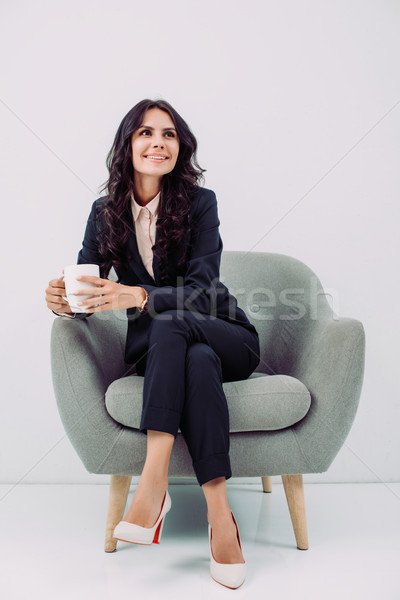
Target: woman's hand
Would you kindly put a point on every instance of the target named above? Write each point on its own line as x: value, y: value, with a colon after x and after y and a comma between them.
x: 109, y: 294
x: 54, y: 297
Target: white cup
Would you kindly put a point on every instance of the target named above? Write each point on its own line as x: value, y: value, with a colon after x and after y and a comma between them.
x: 72, y: 285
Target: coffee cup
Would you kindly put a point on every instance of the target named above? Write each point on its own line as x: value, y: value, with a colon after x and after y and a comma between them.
x: 72, y: 285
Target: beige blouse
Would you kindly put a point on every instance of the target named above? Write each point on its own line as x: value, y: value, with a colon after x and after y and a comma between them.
x: 145, y: 218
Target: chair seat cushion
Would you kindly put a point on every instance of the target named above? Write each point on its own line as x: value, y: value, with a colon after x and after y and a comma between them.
x: 259, y: 403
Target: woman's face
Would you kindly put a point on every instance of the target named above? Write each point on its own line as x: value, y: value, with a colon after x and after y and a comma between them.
x: 156, y: 137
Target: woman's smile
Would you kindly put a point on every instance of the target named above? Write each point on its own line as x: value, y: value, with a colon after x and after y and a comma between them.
x: 156, y: 157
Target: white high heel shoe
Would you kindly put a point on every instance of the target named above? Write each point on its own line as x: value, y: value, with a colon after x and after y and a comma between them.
x: 135, y: 534
x: 229, y: 575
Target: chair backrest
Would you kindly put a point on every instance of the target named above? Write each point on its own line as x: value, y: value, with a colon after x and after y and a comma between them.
x: 281, y: 296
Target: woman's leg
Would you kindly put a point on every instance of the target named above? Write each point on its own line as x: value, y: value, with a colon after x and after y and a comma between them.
x: 205, y: 427
x: 225, y: 545
x: 205, y: 417
x: 149, y: 494
x: 163, y: 397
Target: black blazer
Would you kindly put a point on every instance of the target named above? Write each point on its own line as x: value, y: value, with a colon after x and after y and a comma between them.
x: 195, y: 286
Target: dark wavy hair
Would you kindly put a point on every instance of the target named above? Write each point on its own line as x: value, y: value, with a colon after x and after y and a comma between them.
x: 177, y: 190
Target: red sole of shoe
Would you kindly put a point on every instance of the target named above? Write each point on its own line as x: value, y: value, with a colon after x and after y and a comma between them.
x: 129, y: 542
x: 157, y: 533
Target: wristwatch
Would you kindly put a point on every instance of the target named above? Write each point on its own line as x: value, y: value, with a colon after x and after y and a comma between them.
x: 145, y: 304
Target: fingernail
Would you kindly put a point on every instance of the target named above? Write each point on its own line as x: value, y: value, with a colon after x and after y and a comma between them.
x: 79, y: 303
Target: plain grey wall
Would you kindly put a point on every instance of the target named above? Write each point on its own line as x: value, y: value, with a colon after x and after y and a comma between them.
x: 296, y: 108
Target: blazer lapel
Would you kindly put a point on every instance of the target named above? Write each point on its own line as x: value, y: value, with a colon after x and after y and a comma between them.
x: 155, y: 263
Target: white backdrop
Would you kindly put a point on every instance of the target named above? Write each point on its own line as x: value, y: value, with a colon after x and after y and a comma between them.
x: 296, y: 109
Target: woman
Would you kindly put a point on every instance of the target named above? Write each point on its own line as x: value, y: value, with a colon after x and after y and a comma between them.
x: 159, y: 230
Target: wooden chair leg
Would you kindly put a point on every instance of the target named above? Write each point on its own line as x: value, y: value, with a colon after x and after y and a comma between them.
x: 267, y: 483
x: 119, y: 490
x: 294, y: 490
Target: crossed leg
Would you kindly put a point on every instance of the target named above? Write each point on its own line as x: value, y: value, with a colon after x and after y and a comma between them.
x: 150, y: 491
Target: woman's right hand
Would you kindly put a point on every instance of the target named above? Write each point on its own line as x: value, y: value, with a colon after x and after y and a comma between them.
x: 54, y: 297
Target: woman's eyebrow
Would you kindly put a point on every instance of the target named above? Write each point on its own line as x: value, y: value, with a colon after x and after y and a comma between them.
x: 149, y: 127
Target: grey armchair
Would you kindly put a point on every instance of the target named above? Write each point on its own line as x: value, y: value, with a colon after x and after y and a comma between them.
x: 289, y: 418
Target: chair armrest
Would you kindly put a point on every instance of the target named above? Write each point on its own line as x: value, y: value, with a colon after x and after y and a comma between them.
x: 330, y: 363
x: 86, y: 356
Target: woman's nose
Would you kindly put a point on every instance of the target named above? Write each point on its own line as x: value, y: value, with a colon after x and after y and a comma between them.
x: 158, y: 142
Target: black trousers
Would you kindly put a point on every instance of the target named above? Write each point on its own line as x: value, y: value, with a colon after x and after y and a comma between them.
x: 189, y: 356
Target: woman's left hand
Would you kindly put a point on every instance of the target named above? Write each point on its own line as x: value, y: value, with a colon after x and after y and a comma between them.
x: 109, y: 295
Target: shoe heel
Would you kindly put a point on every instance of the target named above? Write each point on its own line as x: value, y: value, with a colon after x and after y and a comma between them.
x: 157, y: 535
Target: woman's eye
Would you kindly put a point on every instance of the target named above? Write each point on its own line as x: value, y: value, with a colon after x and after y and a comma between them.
x: 167, y: 133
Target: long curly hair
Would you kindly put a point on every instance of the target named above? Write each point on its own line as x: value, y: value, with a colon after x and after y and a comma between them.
x: 177, y: 190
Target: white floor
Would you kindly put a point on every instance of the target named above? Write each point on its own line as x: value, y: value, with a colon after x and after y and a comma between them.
x: 52, y: 545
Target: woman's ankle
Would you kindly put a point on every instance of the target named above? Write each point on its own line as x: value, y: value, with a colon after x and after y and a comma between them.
x: 222, y: 514
x: 153, y: 482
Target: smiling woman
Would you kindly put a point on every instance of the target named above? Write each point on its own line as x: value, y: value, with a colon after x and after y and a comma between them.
x: 160, y: 231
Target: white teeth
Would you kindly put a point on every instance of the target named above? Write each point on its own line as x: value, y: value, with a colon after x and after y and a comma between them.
x: 158, y: 157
